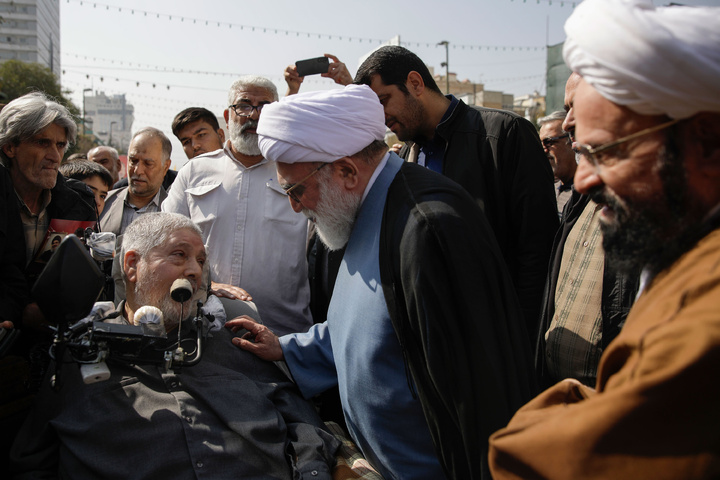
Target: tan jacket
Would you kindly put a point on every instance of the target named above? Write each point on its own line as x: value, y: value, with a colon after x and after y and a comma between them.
x: 656, y: 412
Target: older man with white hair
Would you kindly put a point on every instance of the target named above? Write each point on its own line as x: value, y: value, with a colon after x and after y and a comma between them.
x: 229, y: 416
x: 424, y: 335
x: 647, y: 114
x: 256, y: 243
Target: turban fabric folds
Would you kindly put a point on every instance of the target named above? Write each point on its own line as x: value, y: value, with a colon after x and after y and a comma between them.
x: 321, y: 126
x: 655, y: 61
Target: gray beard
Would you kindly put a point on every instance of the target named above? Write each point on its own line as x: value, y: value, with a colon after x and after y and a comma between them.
x: 170, y: 309
x: 245, y: 143
x: 335, y: 213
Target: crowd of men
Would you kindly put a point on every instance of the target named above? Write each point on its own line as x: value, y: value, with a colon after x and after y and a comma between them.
x: 494, y: 299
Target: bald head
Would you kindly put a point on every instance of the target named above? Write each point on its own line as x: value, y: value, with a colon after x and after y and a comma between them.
x: 108, y: 158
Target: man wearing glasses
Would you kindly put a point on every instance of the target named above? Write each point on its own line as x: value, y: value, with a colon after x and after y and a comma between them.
x: 647, y: 114
x: 257, y: 243
x: 424, y: 334
x: 556, y: 144
x: 586, y: 299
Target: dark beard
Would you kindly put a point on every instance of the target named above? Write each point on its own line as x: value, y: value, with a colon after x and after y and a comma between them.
x: 653, y: 233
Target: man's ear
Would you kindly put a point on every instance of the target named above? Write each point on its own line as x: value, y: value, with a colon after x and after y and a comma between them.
x: 415, y: 83
x: 130, y: 265
x: 168, y: 162
x: 226, y: 116
x: 221, y: 134
x: 9, y: 149
x: 347, y: 170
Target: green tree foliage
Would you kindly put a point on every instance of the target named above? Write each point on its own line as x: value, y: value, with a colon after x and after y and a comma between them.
x: 18, y: 78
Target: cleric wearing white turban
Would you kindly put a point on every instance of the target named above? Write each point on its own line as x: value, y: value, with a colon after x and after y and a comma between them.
x: 652, y: 60
x: 653, y: 413
x: 321, y: 126
x: 424, y: 335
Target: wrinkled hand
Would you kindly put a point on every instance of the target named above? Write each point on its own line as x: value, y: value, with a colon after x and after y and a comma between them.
x: 337, y: 71
x: 265, y: 344
x: 229, y: 291
x: 292, y: 79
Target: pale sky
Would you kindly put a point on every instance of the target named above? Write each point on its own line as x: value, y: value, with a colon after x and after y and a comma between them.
x: 191, y: 51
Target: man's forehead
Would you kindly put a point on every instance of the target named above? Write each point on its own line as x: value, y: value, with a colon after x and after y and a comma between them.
x: 253, y: 93
x: 52, y: 130
x: 143, y: 143
x: 291, y: 172
x: 195, y: 127
x: 550, y: 128
x: 182, y: 238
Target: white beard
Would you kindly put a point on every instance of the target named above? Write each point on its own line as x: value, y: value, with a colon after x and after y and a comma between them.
x: 245, y: 143
x: 335, y: 213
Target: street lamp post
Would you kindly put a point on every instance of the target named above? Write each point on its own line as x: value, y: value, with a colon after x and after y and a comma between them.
x: 446, y: 64
x: 83, y: 117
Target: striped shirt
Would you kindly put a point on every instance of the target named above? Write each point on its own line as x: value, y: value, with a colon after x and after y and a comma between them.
x: 573, y: 340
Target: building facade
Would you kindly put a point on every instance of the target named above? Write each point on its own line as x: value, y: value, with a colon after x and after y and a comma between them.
x: 109, y: 118
x: 30, y: 32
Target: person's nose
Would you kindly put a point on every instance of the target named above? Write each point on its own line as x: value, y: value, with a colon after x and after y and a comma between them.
x: 586, y: 176
x: 194, y: 269
x: 568, y: 124
x: 296, y: 206
x: 55, y: 154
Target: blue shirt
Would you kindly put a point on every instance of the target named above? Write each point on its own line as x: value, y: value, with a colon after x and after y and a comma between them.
x: 358, y: 350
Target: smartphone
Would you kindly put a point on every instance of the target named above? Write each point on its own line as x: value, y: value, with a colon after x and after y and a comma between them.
x: 312, y: 66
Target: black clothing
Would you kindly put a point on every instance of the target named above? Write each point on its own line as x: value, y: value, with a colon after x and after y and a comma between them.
x: 618, y: 292
x: 454, y: 309
x: 232, y: 415
x: 13, y: 288
x: 498, y: 158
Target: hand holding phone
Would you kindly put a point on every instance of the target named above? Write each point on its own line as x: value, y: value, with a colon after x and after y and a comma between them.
x: 312, y: 66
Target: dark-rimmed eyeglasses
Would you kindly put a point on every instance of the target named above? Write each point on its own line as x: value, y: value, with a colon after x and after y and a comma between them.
x: 245, y: 109
x: 289, y: 190
x: 550, y: 141
x: 592, y: 154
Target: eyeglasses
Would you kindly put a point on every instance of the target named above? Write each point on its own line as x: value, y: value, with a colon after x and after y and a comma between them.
x: 593, y: 153
x: 550, y: 141
x: 245, y: 109
x: 289, y: 190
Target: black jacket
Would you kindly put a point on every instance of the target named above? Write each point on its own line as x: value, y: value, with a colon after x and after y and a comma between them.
x: 618, y: 291
x: 456, y: 315
x: 498, y: 158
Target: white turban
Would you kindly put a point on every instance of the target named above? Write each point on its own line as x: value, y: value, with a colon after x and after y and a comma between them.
x: 652, y: 60
x: 321, y: 126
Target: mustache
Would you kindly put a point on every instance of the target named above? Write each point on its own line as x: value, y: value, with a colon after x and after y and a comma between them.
x: 248, y: 124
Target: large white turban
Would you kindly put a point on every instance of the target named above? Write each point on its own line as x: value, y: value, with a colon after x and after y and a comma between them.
x: 652, y: 60
x: 321, y: 126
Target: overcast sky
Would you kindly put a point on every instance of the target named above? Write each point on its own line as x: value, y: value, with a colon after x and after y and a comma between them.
x: 167, y: 55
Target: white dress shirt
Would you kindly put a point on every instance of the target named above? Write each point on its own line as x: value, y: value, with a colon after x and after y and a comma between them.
x: 254, y: 239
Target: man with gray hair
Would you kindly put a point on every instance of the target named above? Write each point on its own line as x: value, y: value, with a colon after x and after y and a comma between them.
x: 229, y: 416
x: 647, y: 115
x: 35, y: 132
x: 148, y: 162
x: 556, y: 144
x: 255, y: 240
x: 107, y: 157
